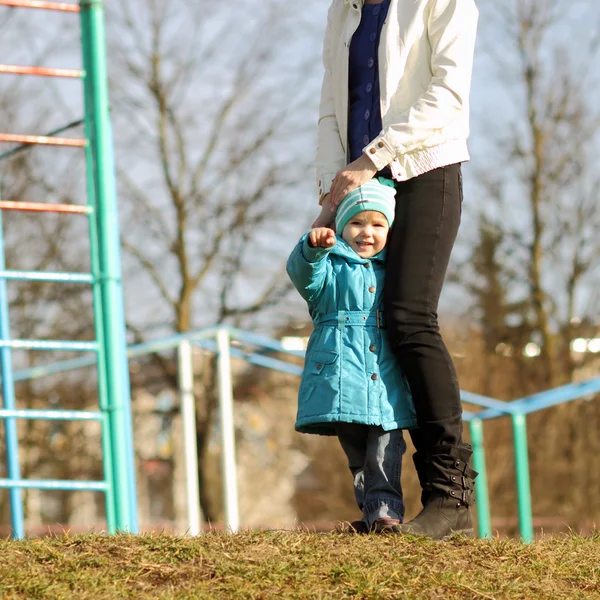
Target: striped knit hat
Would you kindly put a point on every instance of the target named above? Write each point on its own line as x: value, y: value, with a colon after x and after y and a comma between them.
x: 376, y: 194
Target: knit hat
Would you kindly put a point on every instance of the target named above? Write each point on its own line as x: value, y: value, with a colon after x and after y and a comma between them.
x: 376, y: 194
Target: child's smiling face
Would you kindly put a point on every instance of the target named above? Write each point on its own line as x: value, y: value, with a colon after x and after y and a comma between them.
x: 366, y: 233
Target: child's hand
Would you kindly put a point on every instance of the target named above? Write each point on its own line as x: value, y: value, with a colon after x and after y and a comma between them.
x: 322, y: 237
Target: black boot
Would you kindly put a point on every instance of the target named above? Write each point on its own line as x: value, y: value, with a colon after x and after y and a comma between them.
x: 448, y: 486
x: 419, y: 461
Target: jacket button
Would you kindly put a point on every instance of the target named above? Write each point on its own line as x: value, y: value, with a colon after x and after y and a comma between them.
x: 372, y: 289
x: 372, y: 150
x: 381, y: 144
x: 374, y: 376
x: 372, y: 348
x: 319, y: 367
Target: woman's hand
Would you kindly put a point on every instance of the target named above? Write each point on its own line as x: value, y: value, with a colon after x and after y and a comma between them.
x: 327, y: 216
x: 349, y: 178
x: 322, y: 237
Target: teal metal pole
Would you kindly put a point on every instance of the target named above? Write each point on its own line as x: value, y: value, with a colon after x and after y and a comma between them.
x: 107, y: 228
x: 484, y: 521
x: 103, y: 400
x: 522, y: 472
x: 8, y: 394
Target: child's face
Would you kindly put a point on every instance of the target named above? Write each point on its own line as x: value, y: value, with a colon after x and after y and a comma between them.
x: 367, y: 233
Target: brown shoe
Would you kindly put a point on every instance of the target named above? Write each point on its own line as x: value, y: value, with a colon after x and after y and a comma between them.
x: 384, y: 524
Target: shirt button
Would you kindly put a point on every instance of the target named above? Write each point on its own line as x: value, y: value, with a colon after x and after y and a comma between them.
x: 367, y: 114
x: 374, y: 377
x: 370, y: 63
x: 366, y: 265
x: 369, y: 88
x: 372, y: 348
x: 373, y: 36
x: 366, y: 140
x: 372, y: 289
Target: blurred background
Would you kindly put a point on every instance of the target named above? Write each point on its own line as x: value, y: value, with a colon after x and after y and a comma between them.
x: 214, y: 110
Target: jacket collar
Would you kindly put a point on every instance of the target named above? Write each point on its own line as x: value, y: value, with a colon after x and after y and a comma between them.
x: 343, y: 249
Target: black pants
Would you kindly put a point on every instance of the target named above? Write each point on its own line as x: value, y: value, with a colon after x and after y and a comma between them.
x: 428, y: 210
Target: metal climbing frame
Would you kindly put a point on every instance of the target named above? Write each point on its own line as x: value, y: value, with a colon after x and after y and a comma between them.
x: 114, y: 412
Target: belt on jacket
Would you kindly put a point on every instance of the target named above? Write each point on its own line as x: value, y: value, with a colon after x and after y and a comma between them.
x: 350, y: 318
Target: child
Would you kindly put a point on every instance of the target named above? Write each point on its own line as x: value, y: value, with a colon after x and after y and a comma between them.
x: 352, y: 386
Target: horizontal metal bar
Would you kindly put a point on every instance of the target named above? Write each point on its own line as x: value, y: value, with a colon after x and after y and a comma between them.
x: 136, y: 350
x: 42, y: 140
x: 54, y: 484
x: 45, y: 207
x: 60, y: 6
x: 559, y: 395
x: 256, y: 359
x: 506, y: 408
x: 49, y: 345
x: 43, y: 71
x: 263, y: 341
x: 51, y: 415
x: 467, y: 415
x: 47, y: 276
x: 52, y: 133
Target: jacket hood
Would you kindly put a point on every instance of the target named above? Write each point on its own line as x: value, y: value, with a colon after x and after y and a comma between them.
x: 343, y: 249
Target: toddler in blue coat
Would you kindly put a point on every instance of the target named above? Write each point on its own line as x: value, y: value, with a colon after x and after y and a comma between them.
x: 352, y: 387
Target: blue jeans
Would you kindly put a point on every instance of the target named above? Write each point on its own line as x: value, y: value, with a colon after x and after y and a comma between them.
x: 375, y: 460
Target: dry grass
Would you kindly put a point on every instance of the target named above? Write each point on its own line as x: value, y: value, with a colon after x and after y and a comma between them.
x: 285, y: 564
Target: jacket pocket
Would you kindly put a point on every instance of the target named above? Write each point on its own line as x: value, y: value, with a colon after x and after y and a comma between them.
x: 320, y: 359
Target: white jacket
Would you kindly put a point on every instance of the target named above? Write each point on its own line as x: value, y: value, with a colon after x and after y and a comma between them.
x: 425, y: 64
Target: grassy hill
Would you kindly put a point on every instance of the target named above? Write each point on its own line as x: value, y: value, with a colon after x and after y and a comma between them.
x: 284, y: 564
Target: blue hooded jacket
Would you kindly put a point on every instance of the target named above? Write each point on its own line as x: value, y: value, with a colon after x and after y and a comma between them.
x: 350, y: 374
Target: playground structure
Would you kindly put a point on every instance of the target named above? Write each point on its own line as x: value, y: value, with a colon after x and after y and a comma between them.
x: 110, y: 354
x: 228, y: 343
x: 105, y: 278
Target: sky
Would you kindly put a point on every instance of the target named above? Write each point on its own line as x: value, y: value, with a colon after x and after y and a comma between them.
x: 26, y: 35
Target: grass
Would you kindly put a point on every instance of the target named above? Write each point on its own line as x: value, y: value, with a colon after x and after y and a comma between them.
x: 288, y: 564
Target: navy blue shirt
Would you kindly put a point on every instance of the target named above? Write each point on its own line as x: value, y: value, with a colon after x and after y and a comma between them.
x: 364, y: 110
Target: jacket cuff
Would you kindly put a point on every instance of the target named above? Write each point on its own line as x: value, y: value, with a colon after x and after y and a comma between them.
x: 324, y: 183
x: 313, y: 254
x: 379, y: 152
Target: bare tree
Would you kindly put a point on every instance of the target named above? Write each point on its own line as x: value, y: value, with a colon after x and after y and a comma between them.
x: 538, y: 182
x: 207, y: 113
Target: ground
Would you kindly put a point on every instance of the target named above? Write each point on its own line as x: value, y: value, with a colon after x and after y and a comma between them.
x: 298, y: 564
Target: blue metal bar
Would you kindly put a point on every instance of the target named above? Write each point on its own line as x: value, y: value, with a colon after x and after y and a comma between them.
x: 51, y: 484
x: 8, y: 393
x: 49, y: 345
x: 37, y: 276
x: 559, y: 395
x: 485, y: 402
x: 51, y: 415
x: 134, y: 351
x: 468, y: 415
x: 256, y: 359
x: 262, y: 341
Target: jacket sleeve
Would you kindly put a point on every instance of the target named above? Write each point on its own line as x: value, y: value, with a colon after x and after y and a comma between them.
x: 330, y: 150
x: 309, y: 269
x: 452, y: 28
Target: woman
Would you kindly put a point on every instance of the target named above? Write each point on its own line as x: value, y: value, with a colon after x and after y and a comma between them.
x: 395, y: 101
